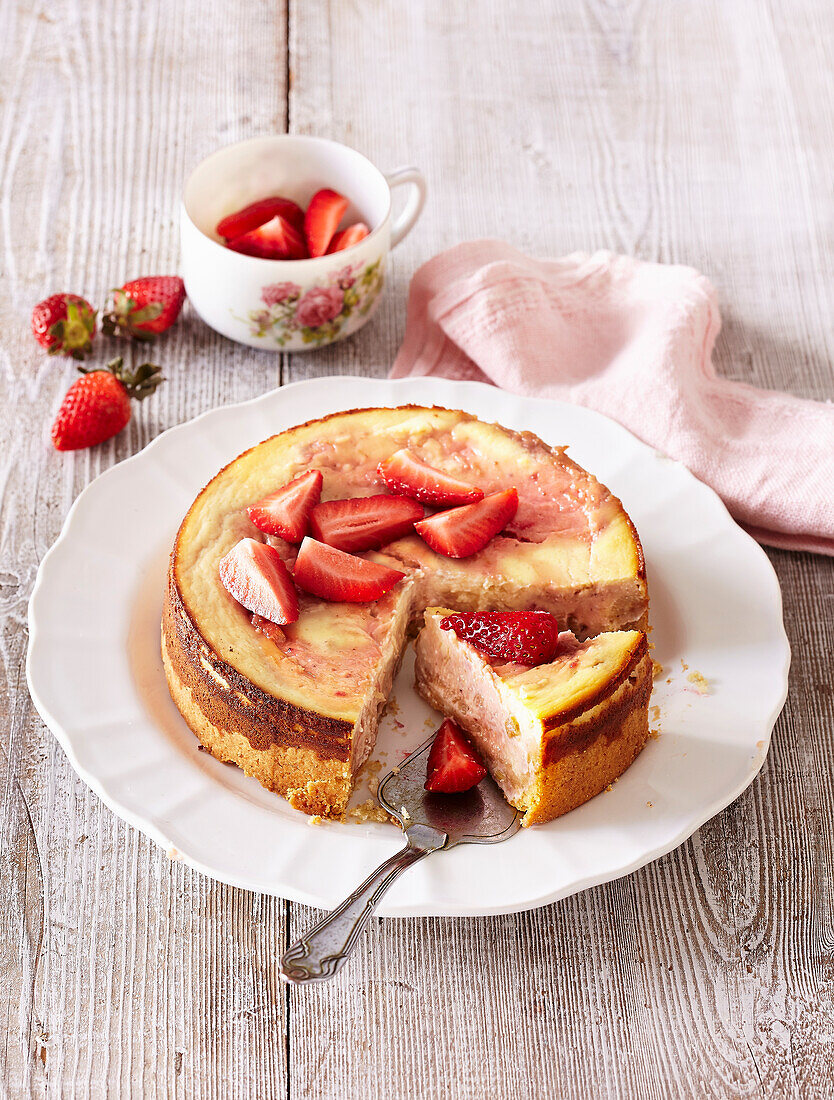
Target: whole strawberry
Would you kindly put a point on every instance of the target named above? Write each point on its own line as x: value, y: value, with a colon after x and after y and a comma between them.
x: 143, y: 308
x: 97, y: 405
x: 64, y: 324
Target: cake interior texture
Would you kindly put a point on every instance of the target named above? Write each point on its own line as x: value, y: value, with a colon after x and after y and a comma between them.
x: 553, y: 735
x: 299, y: 710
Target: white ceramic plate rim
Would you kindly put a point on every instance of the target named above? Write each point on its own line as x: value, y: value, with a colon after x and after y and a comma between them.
x: 359, y: 392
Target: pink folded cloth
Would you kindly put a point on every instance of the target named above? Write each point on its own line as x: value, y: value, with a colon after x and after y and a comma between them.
x: 632, y: 340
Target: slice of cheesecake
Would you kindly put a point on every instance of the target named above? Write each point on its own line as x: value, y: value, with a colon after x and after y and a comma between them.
x: 297, y: 706
x: 553, y: 735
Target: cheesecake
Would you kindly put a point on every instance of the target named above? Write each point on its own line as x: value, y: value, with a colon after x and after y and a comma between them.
x: 552, y: 735
x: 297, y: 705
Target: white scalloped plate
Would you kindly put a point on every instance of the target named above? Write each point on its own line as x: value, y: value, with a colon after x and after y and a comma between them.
x: 96, y: 676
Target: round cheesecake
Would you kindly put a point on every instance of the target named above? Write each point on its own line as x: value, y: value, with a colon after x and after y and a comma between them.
x: 298, y: 708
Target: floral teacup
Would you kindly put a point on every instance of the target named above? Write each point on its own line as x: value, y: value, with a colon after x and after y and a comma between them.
x: 290, y: 305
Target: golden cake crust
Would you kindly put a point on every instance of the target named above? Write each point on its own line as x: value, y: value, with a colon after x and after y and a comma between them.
x: 293, y: 749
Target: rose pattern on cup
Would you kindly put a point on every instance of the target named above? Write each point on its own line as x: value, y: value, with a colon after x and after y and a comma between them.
x: 318, y: 314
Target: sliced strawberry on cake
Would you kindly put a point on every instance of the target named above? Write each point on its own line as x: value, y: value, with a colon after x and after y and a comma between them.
x: 524, y: 637
x: 332, y: 574
x: 364, y: 523
x: 258, y: 579
x: 461, y: 532
x: 404, y: 473
x: 286, y: 512
x: 453, y: 765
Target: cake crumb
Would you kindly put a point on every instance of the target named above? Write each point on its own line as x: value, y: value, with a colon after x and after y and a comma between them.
x: 173, y: 853
x: 650, y: 804
x: 657, y: 669
x: 316, y: 819
x: 655, y: 713
x: 406, y: 816
x: 395, y: 770
x: 367, y: 811
x: 393, y: 707
x: 700, y: 681
x: 373, y: 785
x: 684, y: 665
x: 654, y: 734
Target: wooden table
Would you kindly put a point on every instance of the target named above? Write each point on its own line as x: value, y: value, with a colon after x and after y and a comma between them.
x: 698, y: 131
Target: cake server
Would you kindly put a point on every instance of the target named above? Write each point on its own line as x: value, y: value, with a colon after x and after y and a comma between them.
x: 431, y: 823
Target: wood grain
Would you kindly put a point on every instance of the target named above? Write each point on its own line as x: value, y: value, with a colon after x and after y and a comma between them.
x: 699, y: 133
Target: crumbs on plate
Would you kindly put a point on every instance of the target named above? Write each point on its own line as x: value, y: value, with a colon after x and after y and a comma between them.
x: 367, y: 811
x: 700, y: 682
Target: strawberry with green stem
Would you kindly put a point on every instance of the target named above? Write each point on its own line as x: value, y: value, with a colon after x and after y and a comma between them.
x: 97, y: 405
x: 144, y: 308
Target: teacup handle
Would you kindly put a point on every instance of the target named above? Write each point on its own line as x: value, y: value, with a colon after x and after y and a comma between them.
x: 413, y: 207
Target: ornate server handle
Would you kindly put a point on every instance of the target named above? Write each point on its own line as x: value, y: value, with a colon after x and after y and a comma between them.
x: 322, y: 951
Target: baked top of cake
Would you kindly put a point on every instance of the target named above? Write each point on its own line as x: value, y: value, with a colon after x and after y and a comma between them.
x: 570, y: 549
x: 554, y: 734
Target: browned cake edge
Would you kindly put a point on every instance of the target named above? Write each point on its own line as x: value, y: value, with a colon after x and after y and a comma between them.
x: 298, y: 753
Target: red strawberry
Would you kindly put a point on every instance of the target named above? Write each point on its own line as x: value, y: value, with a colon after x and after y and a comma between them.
x: 403, y: 473
x: 523, y: 637
x: 144, y: 307
x: 364, y: 523
x: 286, y: 512
x: 97, y: 405
x: 346, y: 238
x: 464, y: 531
x: 258, y: 213
x: 254, y: 574
x: 453, y: 765
x: 324, y: 212
x: 334, y: 575
x: 277, y: 239
x: 64, y: 324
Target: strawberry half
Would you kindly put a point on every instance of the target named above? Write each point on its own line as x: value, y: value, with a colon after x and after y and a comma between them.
x: 453, y: 765
x: 324, y: 212
x: 347, y: 238
x: 276, y: 239
x: 64, y: 324
x: 523, y: 637
x: 332, y: 574
x: 258, y: 213
x: 254, y: 574
x: 286, y: 512
x: 143, y: 308
x: 410, y: 476
x: 464, y: 531
x: 364, y: 523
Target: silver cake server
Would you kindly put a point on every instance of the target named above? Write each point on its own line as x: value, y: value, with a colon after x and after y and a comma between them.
x: 431, y: 823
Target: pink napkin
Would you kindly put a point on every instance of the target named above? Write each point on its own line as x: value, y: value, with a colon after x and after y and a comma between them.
x: 632, y: 340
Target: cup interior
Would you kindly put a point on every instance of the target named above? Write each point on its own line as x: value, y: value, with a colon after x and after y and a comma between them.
x: 294, y: 166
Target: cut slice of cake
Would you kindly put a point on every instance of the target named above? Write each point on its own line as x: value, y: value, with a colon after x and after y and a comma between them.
x: 553, y: 735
